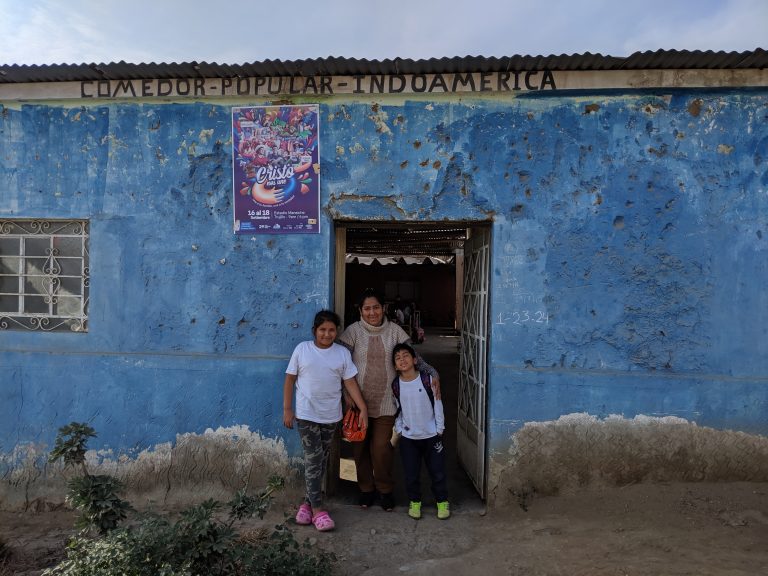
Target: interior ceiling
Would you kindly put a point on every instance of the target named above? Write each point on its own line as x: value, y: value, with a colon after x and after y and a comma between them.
x: 431, y: 239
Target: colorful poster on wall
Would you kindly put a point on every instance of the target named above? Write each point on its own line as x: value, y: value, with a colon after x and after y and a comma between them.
x: 276, y: 169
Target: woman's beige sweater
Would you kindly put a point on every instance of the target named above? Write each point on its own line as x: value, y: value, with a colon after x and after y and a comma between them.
x: 371, y: 348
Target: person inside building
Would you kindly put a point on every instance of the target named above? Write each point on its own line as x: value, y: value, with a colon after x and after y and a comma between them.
x: 371, y: 341
x: 400, y: 316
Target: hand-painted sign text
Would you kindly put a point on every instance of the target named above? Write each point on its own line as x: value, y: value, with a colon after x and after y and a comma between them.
x: 511, y: 81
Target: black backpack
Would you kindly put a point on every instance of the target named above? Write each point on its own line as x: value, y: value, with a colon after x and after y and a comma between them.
x: 425, y: 381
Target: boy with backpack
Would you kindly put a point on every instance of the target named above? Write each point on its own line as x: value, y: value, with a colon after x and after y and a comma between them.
x: 420, y: 422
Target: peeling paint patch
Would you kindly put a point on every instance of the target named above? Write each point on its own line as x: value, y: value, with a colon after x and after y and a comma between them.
x: 591, y: 108
x: 724, y: 149
x: 205, y: 135
x: 379, y: 119
x: 694, y: 108
x: 113, y: 141
x: 580, y: 449
x: 340, y: 150
x: 659, y: 152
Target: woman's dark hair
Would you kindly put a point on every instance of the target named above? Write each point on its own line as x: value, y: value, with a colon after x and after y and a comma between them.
x: 402, y: 346
x: 369, y: 293
x: 325, y: 316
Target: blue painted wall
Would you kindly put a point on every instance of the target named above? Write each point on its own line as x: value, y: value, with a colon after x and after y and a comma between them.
x: 628, y: 258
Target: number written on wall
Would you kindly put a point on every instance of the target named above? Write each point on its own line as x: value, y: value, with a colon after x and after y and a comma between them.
x: 522, y: 317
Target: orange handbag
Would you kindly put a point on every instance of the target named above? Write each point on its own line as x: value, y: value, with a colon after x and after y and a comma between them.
x: 351, y: 428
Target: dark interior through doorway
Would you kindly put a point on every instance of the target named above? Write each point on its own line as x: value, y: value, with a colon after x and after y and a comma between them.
x: 419, y: 266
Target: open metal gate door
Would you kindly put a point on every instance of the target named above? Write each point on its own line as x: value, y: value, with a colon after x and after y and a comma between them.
x: 471, y: 429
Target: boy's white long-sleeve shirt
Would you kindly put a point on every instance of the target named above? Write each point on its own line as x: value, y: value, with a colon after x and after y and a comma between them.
x: 417, y: 419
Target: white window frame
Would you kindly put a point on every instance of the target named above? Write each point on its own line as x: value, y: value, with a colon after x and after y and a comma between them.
x: 44, y: 275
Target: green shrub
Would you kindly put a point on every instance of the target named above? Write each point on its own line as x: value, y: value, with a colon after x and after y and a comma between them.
x: 206, y: 544
x: 197, y: 544
x: 97, y: 500
x: 282, y: 555
x: 70, y: 444
x: 94, y: 496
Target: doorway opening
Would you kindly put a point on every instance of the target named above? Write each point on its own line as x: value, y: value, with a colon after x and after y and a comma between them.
x: 434, y: 277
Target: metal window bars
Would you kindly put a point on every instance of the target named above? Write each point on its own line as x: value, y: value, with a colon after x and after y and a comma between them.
x: 44, y: 275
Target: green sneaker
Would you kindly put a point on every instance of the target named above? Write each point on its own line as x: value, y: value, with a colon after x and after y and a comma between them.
x: 414, y: 510
x: 443, y: 510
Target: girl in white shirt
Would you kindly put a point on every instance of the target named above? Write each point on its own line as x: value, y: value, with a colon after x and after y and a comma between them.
x: 421, y: 422
x: 317, y: 370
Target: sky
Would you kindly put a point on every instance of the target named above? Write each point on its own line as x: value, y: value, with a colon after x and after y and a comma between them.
x: 242, y: 31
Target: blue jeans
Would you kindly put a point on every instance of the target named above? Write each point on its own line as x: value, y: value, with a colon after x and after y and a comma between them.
x: 432, y: 451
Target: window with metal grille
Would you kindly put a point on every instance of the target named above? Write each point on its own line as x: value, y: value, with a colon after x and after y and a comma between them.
x: 44, y: 277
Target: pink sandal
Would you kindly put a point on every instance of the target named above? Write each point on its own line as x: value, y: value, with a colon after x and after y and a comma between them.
x: 304, y: 515
x: 323, y: 522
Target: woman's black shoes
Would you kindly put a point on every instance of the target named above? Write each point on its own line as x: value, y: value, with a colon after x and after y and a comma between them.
x: 388, y: 502
x: 366, y: 499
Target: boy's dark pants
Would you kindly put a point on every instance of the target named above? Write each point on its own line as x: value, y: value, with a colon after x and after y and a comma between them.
x: 431, y: 450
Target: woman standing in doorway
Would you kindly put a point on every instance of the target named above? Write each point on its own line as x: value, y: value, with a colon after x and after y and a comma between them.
x: 371, y: 341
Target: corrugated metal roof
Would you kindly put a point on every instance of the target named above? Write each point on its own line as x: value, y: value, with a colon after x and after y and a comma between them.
x: 424, y: 239
x: 332, y: 66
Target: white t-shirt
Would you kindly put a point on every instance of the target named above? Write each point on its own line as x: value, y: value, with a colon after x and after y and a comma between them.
x: 320, y: 373
x: 418, y: 420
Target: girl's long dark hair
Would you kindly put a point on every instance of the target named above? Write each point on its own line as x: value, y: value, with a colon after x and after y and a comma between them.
x: 325, y: 316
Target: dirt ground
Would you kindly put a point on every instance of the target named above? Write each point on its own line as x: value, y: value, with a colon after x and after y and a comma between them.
x: 662, y: 529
